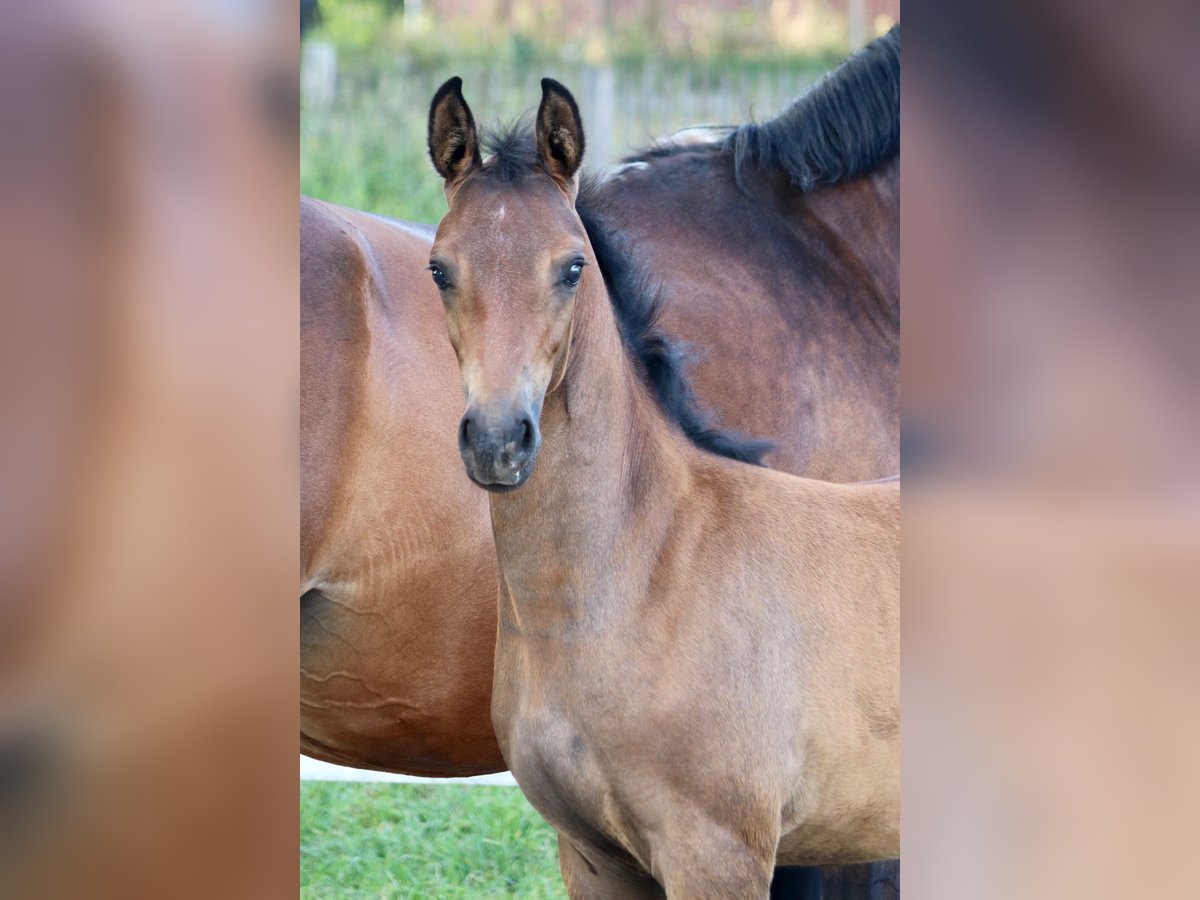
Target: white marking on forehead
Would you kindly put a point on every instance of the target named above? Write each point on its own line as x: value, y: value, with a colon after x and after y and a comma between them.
x: 499, y: 235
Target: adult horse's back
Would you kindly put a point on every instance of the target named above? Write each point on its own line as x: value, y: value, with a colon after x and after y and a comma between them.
x: 398, y: 598
x: 778, y: 244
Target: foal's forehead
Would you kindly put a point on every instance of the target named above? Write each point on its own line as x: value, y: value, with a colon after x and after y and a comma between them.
x: 530, y: 211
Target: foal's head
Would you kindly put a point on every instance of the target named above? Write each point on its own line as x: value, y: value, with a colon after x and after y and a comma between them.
x: 508, y: 259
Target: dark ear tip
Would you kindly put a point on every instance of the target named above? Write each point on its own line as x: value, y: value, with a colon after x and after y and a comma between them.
x: 549, y: 85
x: 450, y: 86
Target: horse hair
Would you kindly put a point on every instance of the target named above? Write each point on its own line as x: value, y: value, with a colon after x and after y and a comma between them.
x: 845, y: 125
x: 510, y: 151
x: 636, y: 301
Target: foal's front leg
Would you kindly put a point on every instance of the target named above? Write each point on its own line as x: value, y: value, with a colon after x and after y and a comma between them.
x: 710, y: 863
x: 602, y: 879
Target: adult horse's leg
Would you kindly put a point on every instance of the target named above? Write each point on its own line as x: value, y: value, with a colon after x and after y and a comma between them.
x: 866, y: 881
x: 870, y: 881
x: 797, y: 883
x: 602, y: 880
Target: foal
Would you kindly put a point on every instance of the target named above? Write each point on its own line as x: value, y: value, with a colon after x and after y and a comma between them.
x: 697, y: 660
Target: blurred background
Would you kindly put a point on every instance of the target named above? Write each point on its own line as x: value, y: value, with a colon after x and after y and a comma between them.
x: 640, y: 71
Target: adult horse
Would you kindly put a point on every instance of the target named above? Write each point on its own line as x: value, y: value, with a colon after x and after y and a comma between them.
x: 399, y: 575
x: 778, y: 243
x: 697, y: 670
x: 399, y: 584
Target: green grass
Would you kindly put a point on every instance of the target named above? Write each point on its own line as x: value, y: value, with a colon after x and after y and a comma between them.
x: 423, y: 841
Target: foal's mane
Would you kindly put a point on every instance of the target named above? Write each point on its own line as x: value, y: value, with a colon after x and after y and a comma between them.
x: 845, y: 125
x: 636, y: 300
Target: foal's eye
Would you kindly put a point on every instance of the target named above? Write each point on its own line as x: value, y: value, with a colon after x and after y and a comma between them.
x: 571, y: 276
x: 439, y: 278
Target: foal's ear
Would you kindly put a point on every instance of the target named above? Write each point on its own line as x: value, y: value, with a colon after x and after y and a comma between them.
x: 559, y: 131
x: 453, y: 140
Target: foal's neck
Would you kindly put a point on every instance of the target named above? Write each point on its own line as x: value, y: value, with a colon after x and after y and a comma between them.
x: 576, y: 541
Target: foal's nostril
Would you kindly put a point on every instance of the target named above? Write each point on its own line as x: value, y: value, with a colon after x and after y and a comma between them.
x: 497, y: 452
x: 527, y: 439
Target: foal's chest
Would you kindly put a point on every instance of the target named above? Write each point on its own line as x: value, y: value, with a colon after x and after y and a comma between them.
x: 561, y: 773
x: 550, y: 759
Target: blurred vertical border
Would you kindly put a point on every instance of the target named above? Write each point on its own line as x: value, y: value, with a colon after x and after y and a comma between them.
x: 1051, y: 346
x: 148, y: 474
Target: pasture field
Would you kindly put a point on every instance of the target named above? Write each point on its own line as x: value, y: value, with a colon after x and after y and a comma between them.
x: 423, y: 842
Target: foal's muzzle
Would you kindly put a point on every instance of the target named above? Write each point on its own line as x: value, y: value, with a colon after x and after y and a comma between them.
x: 498, y: 451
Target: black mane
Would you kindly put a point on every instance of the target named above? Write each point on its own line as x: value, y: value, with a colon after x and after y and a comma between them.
x: 845, y: 125
x: 636, y: 301
x: 510, y: 152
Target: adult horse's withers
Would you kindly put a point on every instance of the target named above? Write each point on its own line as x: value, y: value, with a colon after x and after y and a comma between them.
x: 779, y: 243
x: 697, y: 659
